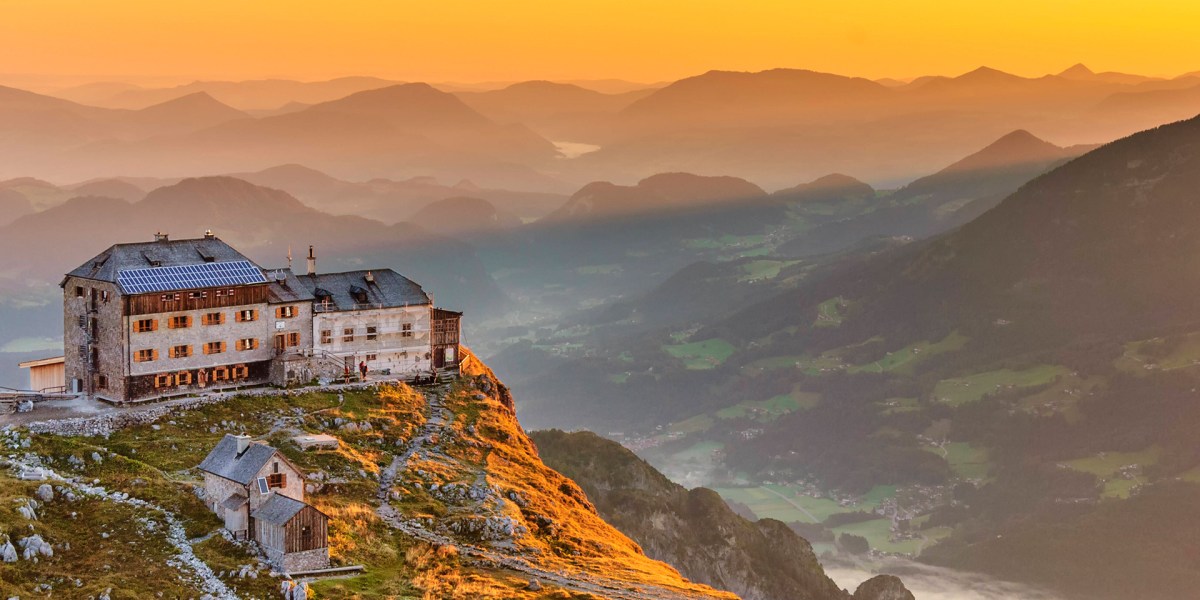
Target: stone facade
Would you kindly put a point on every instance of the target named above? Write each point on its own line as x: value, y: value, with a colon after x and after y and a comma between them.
x: 393, y: 339
x: 93, y: 349
x: 290, y: 334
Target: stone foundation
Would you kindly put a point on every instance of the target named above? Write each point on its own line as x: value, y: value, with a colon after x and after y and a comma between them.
x: 298, y: 562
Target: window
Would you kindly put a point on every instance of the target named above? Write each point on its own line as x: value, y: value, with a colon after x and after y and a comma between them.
x: 145, y: 325
x: 220, y: 293
x: 197, y: 295
x: 104, y: 295
x: 213, y: 318
x: 372, y: 333
x: 326, y: 336
x: 263, y: 490
x: 277, y: 480
x: 169, y: 297
x: 406, y: 330
x: 241, y: 372
x: 371, y: 357
x: 348, y: 334
x: 162, y: 380
x: 285, y: 312
x: 220, y: 373
x: 183, y: 378
x: 146, y: 355
x: 79, y: 291
x: 180, y: 322
x: 95, y: 358
x: 102, y: 382
x: 182, y: 351
x: 244, y: 316
x: 293, y: 339
x: 214, y: 347
x: 247, y: 344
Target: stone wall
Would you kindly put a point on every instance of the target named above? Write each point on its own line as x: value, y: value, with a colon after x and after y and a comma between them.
x: 308, y: 560
x: 102, y: 425
x: 109, y: 342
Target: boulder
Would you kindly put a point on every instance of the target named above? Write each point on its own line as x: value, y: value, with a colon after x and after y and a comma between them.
x: 534, y: 585
x: 883, y: 587
x: 8, y: 553
x: 45, y: 493
x: 34, y: 546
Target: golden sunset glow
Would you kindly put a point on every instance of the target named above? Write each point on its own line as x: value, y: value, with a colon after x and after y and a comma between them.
x: 641, y: 40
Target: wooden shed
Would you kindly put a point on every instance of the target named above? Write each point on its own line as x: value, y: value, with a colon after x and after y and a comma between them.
x: 47, y: 374
x: 294, y: 535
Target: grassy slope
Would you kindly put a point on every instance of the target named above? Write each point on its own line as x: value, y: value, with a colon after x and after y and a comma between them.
x: 156, y: 463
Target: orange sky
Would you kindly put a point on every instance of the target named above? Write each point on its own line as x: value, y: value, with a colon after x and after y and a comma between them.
x: 641, y: 40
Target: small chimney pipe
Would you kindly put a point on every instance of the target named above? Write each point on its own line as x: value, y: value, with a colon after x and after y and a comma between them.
x: 161, y: 237
x: 312, y: 261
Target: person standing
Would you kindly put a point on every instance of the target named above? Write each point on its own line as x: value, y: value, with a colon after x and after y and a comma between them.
x: 362, y: 368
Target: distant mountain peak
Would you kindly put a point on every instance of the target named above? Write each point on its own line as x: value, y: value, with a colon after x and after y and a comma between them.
x: 197, y: 108
x: 988, y: 74
x: 835, y: 186
x: 1077, y: 70
x: 1014, y: 148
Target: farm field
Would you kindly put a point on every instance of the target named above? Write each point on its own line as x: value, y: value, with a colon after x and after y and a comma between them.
x: 1107, y: 466
x: 789, y: 503
x: 772, y: 408
x: 1139, y: 355
x: 878, y: 532
x: 706, y: 354
x: 764, y: 269
x: 972, y: 388
x: 829, y: 312
x: 904, y: 359
x: 966, y: 460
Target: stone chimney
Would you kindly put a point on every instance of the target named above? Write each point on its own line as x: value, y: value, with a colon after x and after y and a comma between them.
x: 369, y: 278
x: 160, y: 237
x: 312, y: 261
x: 208, y: 234
x: 243, y: 442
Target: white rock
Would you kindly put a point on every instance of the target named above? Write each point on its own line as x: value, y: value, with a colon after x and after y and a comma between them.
x: 7, y: 553
x: 45, y: 493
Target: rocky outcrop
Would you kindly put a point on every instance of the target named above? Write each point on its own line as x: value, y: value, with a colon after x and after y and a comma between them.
x: 883, y: 587
x: 693, y: 530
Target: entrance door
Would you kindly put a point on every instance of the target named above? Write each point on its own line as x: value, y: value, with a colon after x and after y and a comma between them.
x: 439, y: 358
x: 280, y: 342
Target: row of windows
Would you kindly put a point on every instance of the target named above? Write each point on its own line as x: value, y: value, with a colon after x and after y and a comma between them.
x: 185, y: 350
x: 215, y: 374
x: 176, y: 297
x: 185, y: 321
x: 372, y: 333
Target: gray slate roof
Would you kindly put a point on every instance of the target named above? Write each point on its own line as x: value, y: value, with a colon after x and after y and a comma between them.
x: 390, y: 289
x: 288, y: 289
x: 234, y: 501
x: 223, y: 461
x: 278, y: 509
x: 170, y: 253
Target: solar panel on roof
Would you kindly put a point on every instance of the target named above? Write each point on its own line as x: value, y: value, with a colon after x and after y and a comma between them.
x: 186, y: 277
